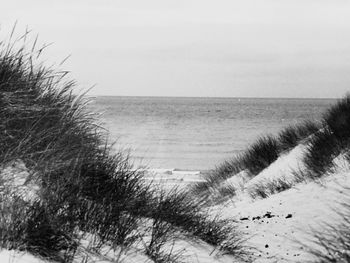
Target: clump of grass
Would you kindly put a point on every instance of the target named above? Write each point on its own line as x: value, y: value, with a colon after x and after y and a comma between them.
x: 258, y: 191
x: 260, y: 154
x: 212, y: 184
x: 333, y: 241
x: 27, y: 227
x: 337, y: 119
x: 227, y: 169
x: 333, y: 140
x: 235, y: 247
x: 265, y: 189
x: 291, y: 136
x: 254, y: 159
x: 276, y: 185
x: 177, y: 212
x: 227, y: 190
x: 84, y: 185
x: 267, y: 149
x: 181, y: 210
x: 323, y: 148
x: 162, y: 231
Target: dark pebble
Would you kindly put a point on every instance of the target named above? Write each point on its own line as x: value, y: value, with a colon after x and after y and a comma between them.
x: 268, y: 215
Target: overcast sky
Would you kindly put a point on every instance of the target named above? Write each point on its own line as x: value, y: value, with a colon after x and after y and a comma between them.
x: 220, y: 48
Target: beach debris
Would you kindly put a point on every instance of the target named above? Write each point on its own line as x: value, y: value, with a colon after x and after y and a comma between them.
x: 268, y: 215
x: 289, y: 216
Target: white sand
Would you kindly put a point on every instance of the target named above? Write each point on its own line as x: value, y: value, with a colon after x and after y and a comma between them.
x: 278, y: 224
x: 309, y: 205
x: 7, y: 256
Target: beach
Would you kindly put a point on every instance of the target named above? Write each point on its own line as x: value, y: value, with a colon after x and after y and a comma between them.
x: 219, y: 132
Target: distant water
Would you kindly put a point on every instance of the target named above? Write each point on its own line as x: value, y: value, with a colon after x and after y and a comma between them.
x: 197, y: 133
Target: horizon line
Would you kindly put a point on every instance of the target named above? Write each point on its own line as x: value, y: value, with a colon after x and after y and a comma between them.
x: 208, y: 97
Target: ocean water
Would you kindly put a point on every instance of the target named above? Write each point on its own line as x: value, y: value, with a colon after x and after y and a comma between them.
x: 197, y: 133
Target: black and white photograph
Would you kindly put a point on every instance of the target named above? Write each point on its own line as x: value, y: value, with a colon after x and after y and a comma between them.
x: 175, y: 131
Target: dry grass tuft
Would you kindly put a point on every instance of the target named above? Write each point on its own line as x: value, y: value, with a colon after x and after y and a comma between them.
x: 83, y: 185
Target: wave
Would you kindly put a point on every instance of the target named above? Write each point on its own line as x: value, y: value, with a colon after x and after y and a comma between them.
x: 173, y: 174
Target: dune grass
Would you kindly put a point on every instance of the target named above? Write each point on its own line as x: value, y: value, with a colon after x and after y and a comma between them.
x: 265, y: 189
x: 85, y: 186
x: 254, y: 159
x: 333, y: 241
x: 328, y: 141
x: 292, y: 135
x: 323, y: 148
x: 334, y: 139
x: 337, y: 119
x: 260, y: 154
x: 214, y: 178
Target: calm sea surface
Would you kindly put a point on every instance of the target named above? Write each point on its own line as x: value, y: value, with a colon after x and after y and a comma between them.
x: 197, y: 133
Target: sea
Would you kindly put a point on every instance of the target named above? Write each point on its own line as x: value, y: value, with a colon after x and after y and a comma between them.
x: 196, y: 134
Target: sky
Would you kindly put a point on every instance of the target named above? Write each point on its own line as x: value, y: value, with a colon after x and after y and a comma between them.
x: 196, y: 48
